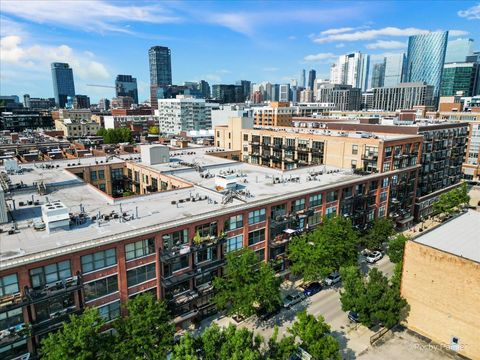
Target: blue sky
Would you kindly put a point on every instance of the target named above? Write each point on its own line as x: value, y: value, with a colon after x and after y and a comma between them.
x: 220, y: 42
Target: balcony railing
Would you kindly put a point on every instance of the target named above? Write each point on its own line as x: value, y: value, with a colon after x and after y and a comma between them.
x: 175, y: 279
x: 52, y: 289
x: 56, y: 321
x: 371, y: 157
x: 11, y: 301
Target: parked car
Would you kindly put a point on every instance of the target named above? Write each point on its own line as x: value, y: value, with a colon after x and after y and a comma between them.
x: 353, y: 316
x: 333, y: 278
x: 293, y: 299
x: 373, y: 257
x: 312, y: 288
x: 263, y: 314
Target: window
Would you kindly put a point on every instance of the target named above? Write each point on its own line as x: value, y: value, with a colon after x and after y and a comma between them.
x: 56, y: 305
x: 208, y: 229
x: 298, y: 205
x: 175, y: 265
x: 50, y: 273
x: 141, y: 274
x: 101, y: 174
x: 175, y: 239
x: 102, y: 287
x: 384, y: 182
x: 331, y: 211
x: 118, y: 173
x: 11, y: 318
x: 332, y: 196
x: 279, y: 210
x: 207, y: 254
x: 383, y: 196
x: 314, y: 219
x: 8, y: 285
x: 110, y: 311
x: 234, y: 222
x: 245, y: 137
x: 354, y: 164
x: 256, y: 236
x: 256, y: 216
x: 98, y: 260
x: 93, y: 176
x: 139, y: 249
x: 315, y: 200
x: 234, y: 243
x: 354, y: 149
x: 102, y: 187
x: 260, y: 254
x: 381, y: 211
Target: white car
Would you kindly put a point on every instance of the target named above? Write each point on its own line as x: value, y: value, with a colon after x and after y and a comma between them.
x: 333, y: 278
x: 373, y: 257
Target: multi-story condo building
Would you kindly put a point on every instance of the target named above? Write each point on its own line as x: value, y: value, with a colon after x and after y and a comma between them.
x: 345, y: 97
x: 19, y: 120
x: 306, y: 95
x: 458, y: 50
x: 351, y: 69
x: 228, y: 93
x: 126, y: 85
x: 77, y: 128
x: 160, y: 61
x: 284, y: 93
x: 459, y: 78
x: 183, y: 114
x: 395, y: 65
x: 275, y: 114
x: 425, y: 59
x: 81, y: 102
x: 38, y: 103
x: 402, y: 96
x: 63, y: 85
x: 93, y: 249
x: 378, y: 75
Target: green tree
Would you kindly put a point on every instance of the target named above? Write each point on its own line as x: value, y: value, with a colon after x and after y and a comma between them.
x: 79, y: 339
x: 188, y: 348
x: 396, y: 248
x: 380, y: 232
x: 154, y: 130
x: 247, y: 283
x: 147, y: 332
x: 353, y: 288
x: 314, y: 335
x: 283, y: 349
x: 332, y: 245
x: 115, y: 136
x: 447, y: 202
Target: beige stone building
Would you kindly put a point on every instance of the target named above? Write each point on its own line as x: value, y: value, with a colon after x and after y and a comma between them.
x: 229, y: 136
x: 441, y: 283
x: 275, y: 114
x: 77, y: 128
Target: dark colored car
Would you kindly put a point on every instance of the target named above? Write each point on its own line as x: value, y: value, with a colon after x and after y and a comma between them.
x: 263, y: 314
x: 312, y: 288
x: 353, y: 316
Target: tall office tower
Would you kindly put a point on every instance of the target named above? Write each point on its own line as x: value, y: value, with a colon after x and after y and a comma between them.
x: 284, y: 93
x: 351, y: 69
x: 394, y: 69
x: 378, y: 75
x: 204, y: 88
x: 126, y: 85
x: 63, y: 85
x: 312, y: 75
x: 425, y: 59
x: 458, y: 50
x: 459, y: 78
x: 246, y: 86
x: 160, y: 61
x: 303, y: 79
x: 475, y: 58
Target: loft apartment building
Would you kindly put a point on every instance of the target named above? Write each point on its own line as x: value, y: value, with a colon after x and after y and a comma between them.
x: 163, y: 225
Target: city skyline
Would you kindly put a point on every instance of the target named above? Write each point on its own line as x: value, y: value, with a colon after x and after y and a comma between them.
x: 243, y: 42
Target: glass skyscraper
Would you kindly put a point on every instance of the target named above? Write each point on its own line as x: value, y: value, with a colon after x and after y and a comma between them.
x: 394, y: 69
x: 378, y: 75
x: 458, y: 50
x: 425, y: 59
x: 459, y: 77
x: 160, y: 61
x: 126, y: 85
x: 63, y: 85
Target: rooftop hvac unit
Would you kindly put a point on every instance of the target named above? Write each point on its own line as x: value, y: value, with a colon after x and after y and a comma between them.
x: 56, y: 216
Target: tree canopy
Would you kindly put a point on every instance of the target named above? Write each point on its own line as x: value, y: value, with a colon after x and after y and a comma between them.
x: 379, y: 233
x: 247, y: 284
x: 447, y: 202
x: 396, y: 247
x: 115, y: 136
x: 330, y: 246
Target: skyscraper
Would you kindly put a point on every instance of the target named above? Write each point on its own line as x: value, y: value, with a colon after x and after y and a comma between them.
x: 312, y: 75
x: 160, y: 61
x: 204, y: 88
x: 425, y: 58
x: 246, y: 85
x: 303, y: 79
x: 459, y: 77
x: 378, y: 75
x: 351, y: 69
x: 284, y: 94
x: 394, y: 69
x: 458, y: 50
x: 126, y: 85
x: 63, y: 85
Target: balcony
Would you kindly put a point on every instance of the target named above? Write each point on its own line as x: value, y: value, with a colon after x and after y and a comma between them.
x: 201, y: 242
x: 183, y: 298
x: 12, y: 301
x: 53, y: 289
x: 56, y: 321
x: 172, y: 280
x: 208, y: 266
x: 166, y: 255
x: 303, y: 150
x: 370, y: 157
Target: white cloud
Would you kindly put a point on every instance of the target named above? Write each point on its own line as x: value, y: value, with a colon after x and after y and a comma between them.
x: 37, y: 58
x: 339, y: 46
x: 380, y: 57
x: 457, y: 33
x: 212, y: 77
x: 337, y: 31
x: 370, y: 34
x: 98, y: 16
x: 319, y: 57
x: 472, y: 13
x: 386, y: 44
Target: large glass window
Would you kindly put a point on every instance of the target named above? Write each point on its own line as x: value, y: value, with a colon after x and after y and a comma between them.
x: 99, y: 260
x: 234, y: 222
x: 315, y: 200
x: 234, y: 243
x: 56, y: 305
x: 207, y: 229
x: 298, y: 205
x: 205, y: 255
x: 110, y: 311
x: 331, y: 211
x: 139, y: 249
x: 50, y: 273
x: 140, y: 274
x: 176, y: 264
x: 8, y: 285
x: 102, y: 287
x: 256, y: 236
x: 256, y: 216
x: 332, y: 196
x: 175, y: 239
x: 11, y: 318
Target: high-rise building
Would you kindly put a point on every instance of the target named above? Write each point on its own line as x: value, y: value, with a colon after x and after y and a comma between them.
x: 378, y: 75
x: 402, y: 96
x: 425, y: 59
x: 343, y: 96
x: 303, y: 79
x: 459, y: 78
x: 228, y: 93
x: 81, y: 102
x: 204, y: 88
x: 160, y: 71
x: 126, y: 85
x: 351, y: 69
x: 104, y: 104
x: 63, y: 84
x: 246, y: 86
x: 394, y: 69
x: 458, y: 50
x: 284, y: 93
x: 312, y: 75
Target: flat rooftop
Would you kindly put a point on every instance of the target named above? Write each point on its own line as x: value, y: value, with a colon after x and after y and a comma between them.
x: 460, y: 236
x: 145, y: 214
